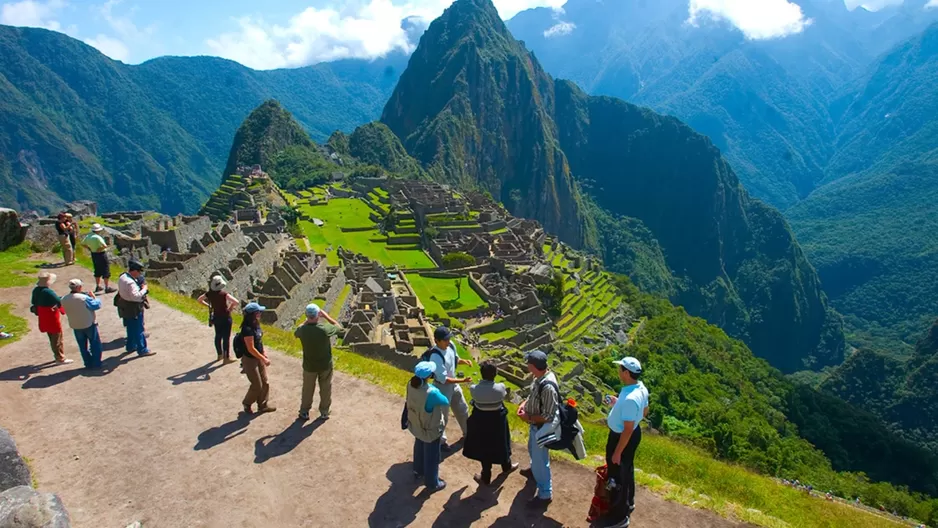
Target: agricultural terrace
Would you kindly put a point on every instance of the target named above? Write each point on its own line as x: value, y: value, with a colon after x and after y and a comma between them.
x: 439, y: 296
x: 352, y: 213
x: 584, y: 311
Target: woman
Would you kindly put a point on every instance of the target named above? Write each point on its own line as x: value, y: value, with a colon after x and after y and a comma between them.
x: 425, y: 408
x: 64, y: 230
x: 488, y: 439
x: 46, y: 304
x: 255, y: 362
x: 72, y: 234
x: 220, y: 304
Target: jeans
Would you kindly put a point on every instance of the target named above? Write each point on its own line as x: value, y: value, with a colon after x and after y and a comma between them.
x: 309, y: 388
x: 136, y: 341
x: 222, y: 326
x: 88, y: 337
x: 427, y: 462
x: 540, y: 465
x: 623, y: 499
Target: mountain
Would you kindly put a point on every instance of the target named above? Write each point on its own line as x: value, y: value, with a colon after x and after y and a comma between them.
x: 77, y: 125
x: 476, y: 107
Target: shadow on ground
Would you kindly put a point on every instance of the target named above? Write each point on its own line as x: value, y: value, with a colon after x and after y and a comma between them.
x: 27, y: 373
x: 272, y: 446
x: 202, y: 373
x: 218, y: 435
x: 398, y: 506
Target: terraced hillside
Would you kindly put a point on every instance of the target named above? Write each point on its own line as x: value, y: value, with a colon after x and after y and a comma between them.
x: 589, y: 300
x: 237, y: 192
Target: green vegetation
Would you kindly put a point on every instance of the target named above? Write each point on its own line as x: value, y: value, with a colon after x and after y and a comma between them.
x: 440, y: 298
x: 458, y: 260
x: 16, y: 267
x: 375, y: 144
x: 491, y: 337
x: 12, y: 324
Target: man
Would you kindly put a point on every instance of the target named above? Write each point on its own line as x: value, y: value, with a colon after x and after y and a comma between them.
x: 542, y: 407
x: 443, y: 355
x: 63, y: 229
x: 80, y: 308
x: 47, y: 305
x: 316, y: 337
x: 624, y: 436
x: 102, y: 268
x: 131, y: 300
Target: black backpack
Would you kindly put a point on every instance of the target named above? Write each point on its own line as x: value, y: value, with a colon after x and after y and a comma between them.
x: 568, y: 419
x: 240, y: 349
x: 429, y: 353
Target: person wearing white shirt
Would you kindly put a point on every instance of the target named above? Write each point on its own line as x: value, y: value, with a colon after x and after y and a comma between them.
x: 628, y: 410
x: 443, y: 355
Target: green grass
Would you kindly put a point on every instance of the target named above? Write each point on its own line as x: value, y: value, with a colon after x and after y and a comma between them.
x: 354, y: 213
x: 507, y: 333
x: 15, y: 267
x: 439, y: 295
x: 340, y: 300
x: 13, y: 324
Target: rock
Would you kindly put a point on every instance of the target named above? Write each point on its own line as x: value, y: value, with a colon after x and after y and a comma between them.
x: 24, y: 507
x: 12, y: 232
x: 13, y: 470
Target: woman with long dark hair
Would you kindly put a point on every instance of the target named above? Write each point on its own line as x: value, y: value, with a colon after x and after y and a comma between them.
x: 255, y: 361
x: 488, y: 438
x: 220, y: 304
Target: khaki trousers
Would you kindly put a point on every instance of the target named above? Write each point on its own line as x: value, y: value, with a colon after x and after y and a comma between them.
x: 257, y: 375
x: 57, y: 342
x: 67, y: 250
x: 325, y: 391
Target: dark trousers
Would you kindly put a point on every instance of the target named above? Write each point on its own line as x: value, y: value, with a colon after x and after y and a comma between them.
x: 222, y: 327
x: 89, y: 344
x: 259, y: 390
x: 487, y: 471
x: 623, y: 497
x: 427, y: 462
x: 136, y: 341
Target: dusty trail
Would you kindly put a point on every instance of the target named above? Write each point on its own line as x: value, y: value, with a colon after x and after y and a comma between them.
x: 158, y: 439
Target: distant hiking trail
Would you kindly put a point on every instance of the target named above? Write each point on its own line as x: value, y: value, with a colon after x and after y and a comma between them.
x: 159, y: 440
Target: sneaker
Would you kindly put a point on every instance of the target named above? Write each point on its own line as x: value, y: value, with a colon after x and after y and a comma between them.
x: 512, y: 468
x: 527, y: 473
x: 446, y: 448
x: 478, y: 478
x: 538, y: 502
x: 324, y: 416
x: 147, y: 353
x: 5, y: 335
x: 110, y: 290
x: 247, y: 410
x: 266, y: 409
x: 441, y: 487
x: 98, y: 289
x: 65, y: 361
x: 302, y: 416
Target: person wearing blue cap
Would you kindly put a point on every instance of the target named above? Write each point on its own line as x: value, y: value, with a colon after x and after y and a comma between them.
x: 255, y: 362
x: 625, y: 434
x: 316, y: 336
x: 426, y: 406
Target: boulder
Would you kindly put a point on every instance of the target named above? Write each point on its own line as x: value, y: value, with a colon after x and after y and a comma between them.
x: 24, y: 507
x: 12, y: 232
x: 13, y: 470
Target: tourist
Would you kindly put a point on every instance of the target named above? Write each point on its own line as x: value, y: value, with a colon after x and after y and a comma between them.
x: 131, y: 301
x: 625, y: 433
x: 255, y: 362
x: 488, y: 438
x: 72, y: 234
x: 443, y: 355
x: 220, y: 304
x: 99, y: 260
x: 426, y: 409
x: 541, y: 407
x: 64, y: 230
x: 47, y: 305
x: 316, y: 337
x: 80, y: 308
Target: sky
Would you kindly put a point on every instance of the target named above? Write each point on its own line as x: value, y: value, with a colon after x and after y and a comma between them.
x: 291, y: 33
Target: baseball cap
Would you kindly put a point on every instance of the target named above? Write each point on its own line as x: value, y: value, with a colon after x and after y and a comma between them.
x: 537, y: 358
x: 74, y: 284
x: 631, y: 364
x: 442, y: 333
x: 253, y: 307
x: 424, y: 369
x: 312, y: 310
x: 134, y: 265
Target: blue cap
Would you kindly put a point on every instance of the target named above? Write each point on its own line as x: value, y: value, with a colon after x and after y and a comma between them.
x: 312, y: 311
x: 442, y: 333
x: 537, y: 358
x: 424, y: 369
x: 254, y: 307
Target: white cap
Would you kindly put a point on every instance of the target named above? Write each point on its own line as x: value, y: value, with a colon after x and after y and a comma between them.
x: 74, y: 284
x: 630, y: 364
x: 96, y: 227
x: 218, y: 283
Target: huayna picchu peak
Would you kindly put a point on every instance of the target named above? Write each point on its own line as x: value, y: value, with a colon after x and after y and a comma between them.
x: 475, y: 107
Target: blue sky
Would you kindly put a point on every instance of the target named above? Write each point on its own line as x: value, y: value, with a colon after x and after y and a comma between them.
x: 289, y: 33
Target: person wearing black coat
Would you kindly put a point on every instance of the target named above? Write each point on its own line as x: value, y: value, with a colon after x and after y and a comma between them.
x: 488, y: 438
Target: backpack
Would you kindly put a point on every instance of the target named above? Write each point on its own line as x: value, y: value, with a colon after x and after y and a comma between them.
x: 240, y: 349
x: 568, y: 421
x: 429, y: 353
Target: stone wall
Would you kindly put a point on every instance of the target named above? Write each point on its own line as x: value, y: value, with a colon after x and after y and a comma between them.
x: 193, y: 269
x: 180, y: 237
x: 387, y: 354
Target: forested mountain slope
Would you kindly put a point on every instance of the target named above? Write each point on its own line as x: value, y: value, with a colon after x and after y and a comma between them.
x: 78, y: 125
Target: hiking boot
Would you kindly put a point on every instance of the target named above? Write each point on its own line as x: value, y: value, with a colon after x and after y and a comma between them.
x: 324, y: 416
x: 110, y: 290
x: 539, y: 503
x: 441, y: 487
x: 302, y: 416
x: 98, y: 289
x: 512, y: 468
x: 247, y: 410
x: 484, y: 482
x: 527, y: 473
x: 266, y: 409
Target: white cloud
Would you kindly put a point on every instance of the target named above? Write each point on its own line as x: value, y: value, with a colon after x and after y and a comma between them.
x: 931, y: 4
x: 359, y: 29
x: 757, y: 19
x: 561, y: 28
x: 32, y: 13
x: 110, y: 46
x: 872, y: 5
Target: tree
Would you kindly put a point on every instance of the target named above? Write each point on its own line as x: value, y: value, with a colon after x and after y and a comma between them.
x: 458, y: 260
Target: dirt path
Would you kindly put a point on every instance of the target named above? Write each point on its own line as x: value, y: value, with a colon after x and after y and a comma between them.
x: 158, y: 439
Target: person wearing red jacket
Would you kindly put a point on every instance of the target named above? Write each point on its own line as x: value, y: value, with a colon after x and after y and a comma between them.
x: 47, y: 305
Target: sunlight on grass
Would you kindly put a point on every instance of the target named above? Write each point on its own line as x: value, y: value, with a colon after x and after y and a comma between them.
x: 12, y: 324
x: 15, y: 267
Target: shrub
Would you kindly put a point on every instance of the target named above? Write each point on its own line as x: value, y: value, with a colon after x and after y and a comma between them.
x: 458, y: 260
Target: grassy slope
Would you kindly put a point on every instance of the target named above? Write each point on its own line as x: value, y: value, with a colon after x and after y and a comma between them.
x: 12, y: 324
x: 439, y: 295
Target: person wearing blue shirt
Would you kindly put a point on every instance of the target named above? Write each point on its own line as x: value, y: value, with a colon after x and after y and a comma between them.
x: 425, y: 406
x: 628, y: 410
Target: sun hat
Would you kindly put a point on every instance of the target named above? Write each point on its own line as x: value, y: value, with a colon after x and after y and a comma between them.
x: 253, y: 307
x: 46, y: 278
x: 630, y: 364
x: 312, y: 311
x: 537, y: 358
x: 424, y: 369
x: 96, y: 228
x: 75, y: 284
x: 218, y: 282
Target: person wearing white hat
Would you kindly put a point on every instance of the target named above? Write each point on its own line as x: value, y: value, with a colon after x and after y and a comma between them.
x: 628, y: 410
x: 220, y: 304
x: 80, y: 307
x: 102, y: 268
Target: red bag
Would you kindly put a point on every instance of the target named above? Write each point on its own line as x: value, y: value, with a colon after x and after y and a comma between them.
x: 600, y: 503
